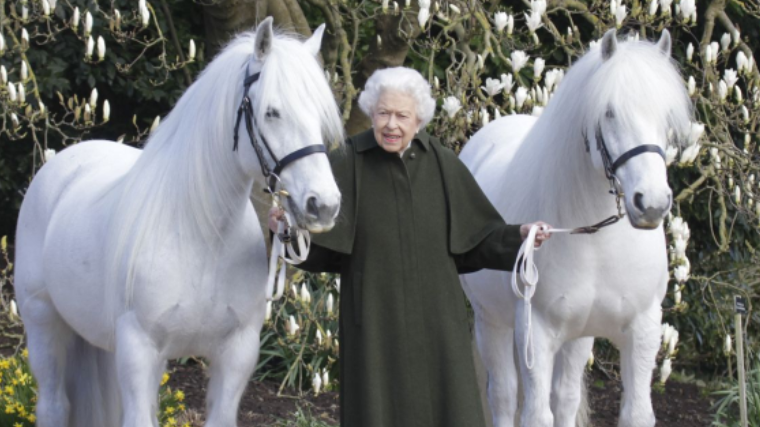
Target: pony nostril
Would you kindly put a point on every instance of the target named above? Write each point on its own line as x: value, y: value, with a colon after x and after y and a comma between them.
x: 638, y: 201
x: 311, y: 207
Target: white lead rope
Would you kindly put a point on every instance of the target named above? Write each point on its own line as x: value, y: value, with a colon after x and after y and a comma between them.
x: 528, y: 272
x: 285, y: 251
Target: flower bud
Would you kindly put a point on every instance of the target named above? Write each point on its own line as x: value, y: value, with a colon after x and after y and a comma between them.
x: 49, y: 154
x: 330, y: 304
x: 24, y: 71
x: 90, y: 47
x: 305, y: 295
x: 101, y: 48
x: 24, y: 37
x: 75, y: 19
x: 87, y: 23
x: 665, y: 370
x: 268, y: 312
x: 14, y: 119
x: 316, y: 383
x: 93, y: 98
x: 87, y: 113
x: 45, y: 8
x: 727, y: 347
x: 325, y: 378
x: 116, y: 19
x: 2, y: 44
x: 155, y: 124
x: 21, y: 93
x: 590, y: 362
x: 12, y: 96
x: 14, y: 308
x: 293, y: 326
x: 107, y: 113
x: 191, y: 50
x: 145, y: 16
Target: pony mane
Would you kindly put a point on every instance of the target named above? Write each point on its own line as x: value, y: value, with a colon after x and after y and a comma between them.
x: 638, y: 78
x: 184, y: 181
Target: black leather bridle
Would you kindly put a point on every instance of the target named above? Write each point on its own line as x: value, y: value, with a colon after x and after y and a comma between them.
x: 246, y: 111
x: 610, y: 167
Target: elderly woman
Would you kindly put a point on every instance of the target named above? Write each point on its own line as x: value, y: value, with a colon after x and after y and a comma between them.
x: 412, y: 219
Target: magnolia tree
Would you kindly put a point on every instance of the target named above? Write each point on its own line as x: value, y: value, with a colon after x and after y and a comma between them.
x: 483, y: 59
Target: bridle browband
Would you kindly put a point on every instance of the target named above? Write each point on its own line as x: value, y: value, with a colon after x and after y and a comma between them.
x: 610, y: 167
x: 246, y: 110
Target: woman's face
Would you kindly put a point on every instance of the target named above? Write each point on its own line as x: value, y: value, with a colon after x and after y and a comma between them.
x: 395, y: 120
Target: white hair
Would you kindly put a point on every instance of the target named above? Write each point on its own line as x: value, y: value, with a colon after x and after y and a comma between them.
x: 403, y: 80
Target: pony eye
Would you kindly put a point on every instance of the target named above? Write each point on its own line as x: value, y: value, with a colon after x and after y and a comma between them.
x: 272, y: 113
x: 610, y: 114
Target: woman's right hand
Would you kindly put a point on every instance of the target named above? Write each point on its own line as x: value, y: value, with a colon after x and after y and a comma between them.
x: 276, y: 215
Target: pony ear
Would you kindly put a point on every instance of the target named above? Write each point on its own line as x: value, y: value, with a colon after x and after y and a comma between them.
x: 609, y: 44
x: 665, y: 43
x: 315, y: 41
x: 264, y: 38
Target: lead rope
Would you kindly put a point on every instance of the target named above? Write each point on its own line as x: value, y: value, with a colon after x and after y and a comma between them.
x: 282, y: 248
x: 527, y: 271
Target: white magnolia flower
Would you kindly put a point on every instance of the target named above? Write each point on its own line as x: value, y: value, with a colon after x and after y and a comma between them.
x: 337, y: 284
x: 507, y: 82
x: 500, y: 20
x: 436, y: 83
x: 665, y: 370
x: 620, y: 15
x: 667, y: 332
x: 87, y: 113
x: 533, y: 21
x: 424, y: 4
x: 736, y: 36
x: 455, y: 9
x: 305, y: 295
x: 519, y: 59
x: 520, y: 96
x: 24, y: 37
x: 510, y: 24
x: 695, y: 132
x: 672, y: 343
x: 45, y: 8
x: 75, y: 19
x: 738, y: 94
x: 145, y: 16
x: 681, y: 274
x: 689, y: 52
x: 708, y: 54
x: 395, y: 8
x: 21, y: 93
x: 14, y: 307
x: 538, y: 68
x: 451, y: 105
x: 42, y: 108
x: 330, y: 303
x: 679, y: 246
x: 14, y: 119
x: 481, y: 62
x: 741, y: 61
x: 676, y: 299
x: 293, y: 326
x: 325, y: 378
x: 423, y: 16
x: 24, y: 13
x: 745, y: 114
x: 329, y: 336
x: 87, y: 23
x: 493, y: 87
x: 24, y: 71
x: 675, y: 226
x: 49, y: 154
x: 725, y: 42
x: 538, y: 6
x: 268, y: 312
x: 3, y: 75
x: 671, y: 153
x: 379, y: 40
x: 156, y: 122
x: 688, y: 11
x: 715, y: 47
x: 319, y: 337
x: 2, y: 43
x: 722, y: 90
x: 485, y: 118
x: 94, y: 98
x: 550, y: 79
x: 191, y: 51
x: 294, y: 291
x: 737, y: 195
x: 653, y: 5
x: 385, y: 6
x: 12, y: 95
x: 512, y: 102
x: 613, y: 7
x: 727, y: 345
x: 730, y: 77
x: 90, y: 47
x: 692, y: 86
x: 316, y: 383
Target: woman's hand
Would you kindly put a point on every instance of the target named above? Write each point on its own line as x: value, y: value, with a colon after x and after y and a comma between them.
x: 275, y: 215
x: 541, y: 235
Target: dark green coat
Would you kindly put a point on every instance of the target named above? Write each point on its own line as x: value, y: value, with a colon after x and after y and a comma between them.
x: 407, y: 227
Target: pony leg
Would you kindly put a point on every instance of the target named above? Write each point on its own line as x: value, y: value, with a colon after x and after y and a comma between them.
x: 48, y: 338
x: 536, y: 411
x: 139, y: 366
x: 496, y: 347
x: 231, y: 370
x: 638, y: 351
x: 566, y: 383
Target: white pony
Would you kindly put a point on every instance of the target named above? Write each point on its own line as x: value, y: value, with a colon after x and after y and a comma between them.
x: 126, y: 258
x: 616, y: 98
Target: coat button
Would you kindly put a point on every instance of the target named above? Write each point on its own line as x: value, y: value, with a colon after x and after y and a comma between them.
x: 412, y: 156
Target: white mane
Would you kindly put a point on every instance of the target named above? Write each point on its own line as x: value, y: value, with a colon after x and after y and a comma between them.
x: 637, y: 78
x: 184, y: 181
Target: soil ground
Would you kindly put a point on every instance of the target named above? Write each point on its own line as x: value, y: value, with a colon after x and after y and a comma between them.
x: 680, y: 405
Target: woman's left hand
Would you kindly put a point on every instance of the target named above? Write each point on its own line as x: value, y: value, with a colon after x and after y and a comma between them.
x: 541, y: 235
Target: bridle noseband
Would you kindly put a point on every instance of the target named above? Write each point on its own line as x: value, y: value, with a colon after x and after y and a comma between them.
x: 246, y: 110
x: 610, y: 167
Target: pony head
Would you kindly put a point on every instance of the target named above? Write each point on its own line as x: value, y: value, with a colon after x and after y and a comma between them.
x: 293, y: 107
x: 636, y: 98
